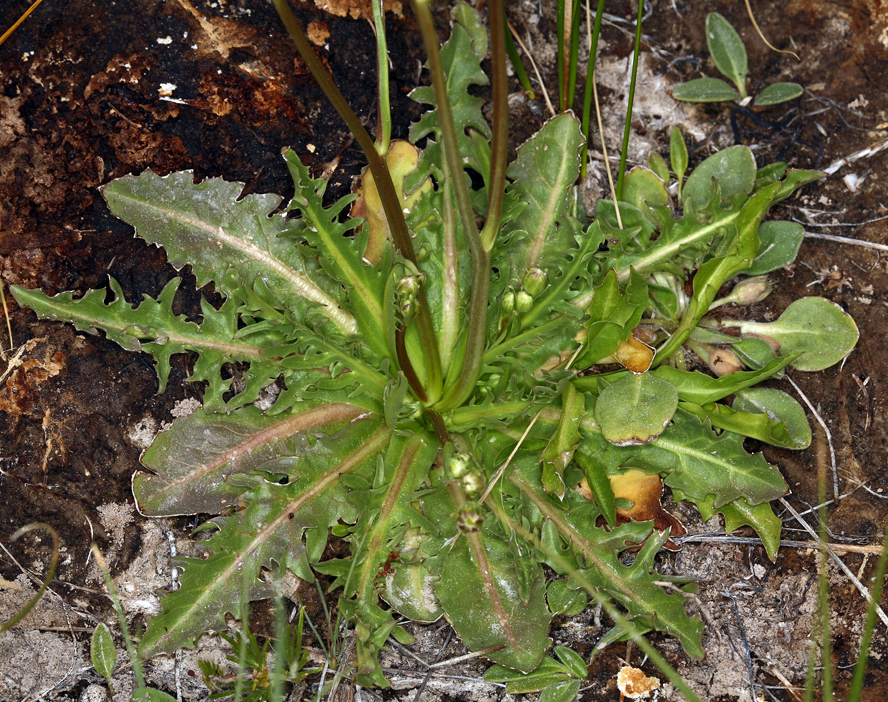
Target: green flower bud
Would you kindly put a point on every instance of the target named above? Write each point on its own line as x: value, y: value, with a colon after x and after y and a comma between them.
x: 470, y: 517
x: 747, y: 292
x: 407, y: 286
x: 508, y: 304
x: 523, y: 302
x: 535, y: 281
x: 406, y: 290
x: 459, y: 464
x: 752, y: 290
x: 474, y: 483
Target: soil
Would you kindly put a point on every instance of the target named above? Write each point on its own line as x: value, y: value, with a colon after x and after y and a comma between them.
x: 93, y: 91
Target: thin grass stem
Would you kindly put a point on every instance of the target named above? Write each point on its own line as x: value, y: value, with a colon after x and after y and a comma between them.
x: 627, y: 130
x: 50, y: 573
x: 517, y: 65
x: 121, y: 617
x: 593, y: 36
x: 384, y: 108
x: 869, y: 626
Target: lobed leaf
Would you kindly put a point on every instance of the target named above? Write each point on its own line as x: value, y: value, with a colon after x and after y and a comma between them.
x: 191, y: 462
x: 542, y: 176
x: 287, y: 513
x: 152, y: 327
x: 208, y: 227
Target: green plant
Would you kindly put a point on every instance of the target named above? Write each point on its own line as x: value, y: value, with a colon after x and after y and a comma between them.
x: 437, y: 401
x: 50, y: 573
x: 290, y: 661
x: 729, y: 55
x: 102, y: 652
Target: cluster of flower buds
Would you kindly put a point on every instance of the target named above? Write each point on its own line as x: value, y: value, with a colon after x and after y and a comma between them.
x: 406, y: 290
x: 520, y: 301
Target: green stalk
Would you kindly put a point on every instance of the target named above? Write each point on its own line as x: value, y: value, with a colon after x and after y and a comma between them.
x: 866, y: 640
x: 559, y: 59
x: 384, y: 107
x: 520, y: 71
x: 390, y: 201
x: 135, y: 661
x: 574, y: 52
x: 826, y: 684
x: 455, y: 175
x: 500, y: 141
x: 590, y: 77
x: 628, y: 128
x: 50, y: 573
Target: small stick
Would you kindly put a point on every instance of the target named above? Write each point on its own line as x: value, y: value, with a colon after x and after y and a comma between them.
x: 832, y: 451
x: 846, y: 240
x: 867, y: 550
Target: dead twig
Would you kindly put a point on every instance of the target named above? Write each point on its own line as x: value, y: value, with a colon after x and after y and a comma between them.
x: 832, y: 451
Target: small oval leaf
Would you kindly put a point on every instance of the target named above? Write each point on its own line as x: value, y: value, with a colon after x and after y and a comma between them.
x: 562, y: 600
x: 780, y: 242
x: 727, y: 50
x: 821, y: 331
x: 705, y: 90
x: 635, y: 409
x: 678, y: 155
x: 779, y: 406
x: 776, y: 93
x: 102, y: 652
x: 733, y: 168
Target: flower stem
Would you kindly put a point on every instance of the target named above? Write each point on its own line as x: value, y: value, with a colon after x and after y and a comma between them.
x: 455, y: 174
x: 383, y: 179
x: 384, y: 123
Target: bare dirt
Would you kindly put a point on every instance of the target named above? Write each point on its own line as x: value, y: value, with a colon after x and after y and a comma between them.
x: 92, y: 91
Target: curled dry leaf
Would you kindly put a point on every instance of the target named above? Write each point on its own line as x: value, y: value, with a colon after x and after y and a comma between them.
x: 644, y: 491
x: 634, y: 684
x: 635, y: 355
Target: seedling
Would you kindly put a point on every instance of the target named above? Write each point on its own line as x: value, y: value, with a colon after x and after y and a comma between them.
x: 729, y: 55
x: 446, y: 394
x: 289, y: 657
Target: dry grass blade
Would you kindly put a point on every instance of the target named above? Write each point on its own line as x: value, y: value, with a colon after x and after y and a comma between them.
x: 21, y: 19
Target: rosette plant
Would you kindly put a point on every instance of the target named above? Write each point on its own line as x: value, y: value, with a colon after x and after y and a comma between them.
x: 435, y: 357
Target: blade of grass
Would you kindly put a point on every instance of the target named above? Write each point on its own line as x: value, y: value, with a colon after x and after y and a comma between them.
x: 590, y: 79
x: 50, y: 574
x: 517, y: 65
x: 121, y: 617
x: 869, y: 627
x: 533, y: 65
x: 632, y: 83
x: 384, y: 120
